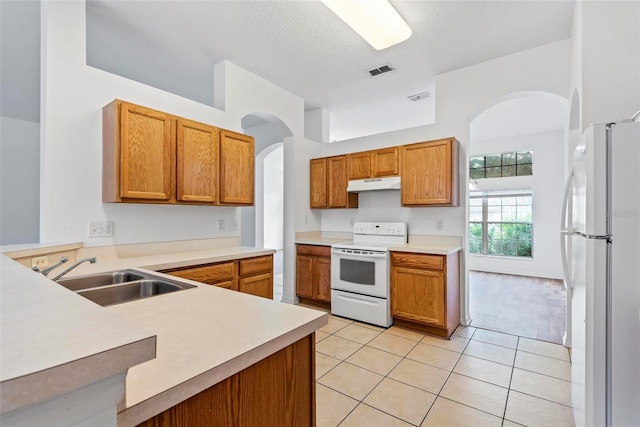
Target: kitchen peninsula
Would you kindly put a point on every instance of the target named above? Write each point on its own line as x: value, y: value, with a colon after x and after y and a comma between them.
x: 209, y: 344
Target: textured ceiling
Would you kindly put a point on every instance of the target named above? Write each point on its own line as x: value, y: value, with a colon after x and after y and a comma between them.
x: 304, y: 48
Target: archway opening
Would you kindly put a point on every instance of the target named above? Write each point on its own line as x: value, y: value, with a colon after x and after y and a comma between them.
x: 517, y: 146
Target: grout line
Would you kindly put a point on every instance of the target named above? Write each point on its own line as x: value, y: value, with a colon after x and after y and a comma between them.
x: 513, y: 368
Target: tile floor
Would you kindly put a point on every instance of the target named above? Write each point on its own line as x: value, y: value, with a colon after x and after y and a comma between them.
x: 369, y: 376
x: 530, y: 307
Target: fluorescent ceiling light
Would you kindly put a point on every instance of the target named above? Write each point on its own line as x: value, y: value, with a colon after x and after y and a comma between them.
x: 375, y: 20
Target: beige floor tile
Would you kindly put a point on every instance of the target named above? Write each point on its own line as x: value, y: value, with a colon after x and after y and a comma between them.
x: 446, y: 413
x: 337, y: 347
x: 456, y: 344
x: 393, y: 344
x: 544, y: 348
x: 334, y: 325
x: 507, y: 423
x: 340, y: 318
x: 405, y: 333
x: 367, y: 416
x: 434, y: 356
x: 351, y: 380
x: 324, y: 364
x: 374, y: 360
x: 425, y: 377
x: 321, y: 335
x: 370, y: 326
x: 542, y: 386
x: 484, y: 370
x: 532, y: 411
x: 497, y: 338
x: 477, y: 394
x: 492, y: 352
x: 401, y: 400
x: 332, y: 407
x: 543, y: 365
x: 464, y: 331
x: 357, y: 333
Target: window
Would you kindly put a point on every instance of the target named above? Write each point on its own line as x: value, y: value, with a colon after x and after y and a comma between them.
x: 500, y: 223
x: 500, y: 165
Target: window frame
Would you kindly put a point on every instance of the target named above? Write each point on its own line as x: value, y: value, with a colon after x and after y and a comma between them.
x: 485, y: 196
x: 516, y: 163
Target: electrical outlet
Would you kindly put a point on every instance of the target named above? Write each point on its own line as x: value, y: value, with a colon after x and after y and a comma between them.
x: 352, y: 222
x: 234, y: 225
x: 101, y: 229
x: 221, y: 225
x: 439, y: 224
x: 306, y: 218
x: 40, y: 262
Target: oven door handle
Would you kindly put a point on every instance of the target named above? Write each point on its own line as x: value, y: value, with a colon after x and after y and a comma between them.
x: 356, y: 255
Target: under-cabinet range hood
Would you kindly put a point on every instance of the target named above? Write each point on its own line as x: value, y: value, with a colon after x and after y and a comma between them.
x: 387, y: 183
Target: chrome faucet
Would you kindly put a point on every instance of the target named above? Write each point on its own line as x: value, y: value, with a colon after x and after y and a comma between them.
x: 92, y: 260
x: 47, y: 270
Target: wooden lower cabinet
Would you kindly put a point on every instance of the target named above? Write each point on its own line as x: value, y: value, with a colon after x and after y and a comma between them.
x: 248, y: 275
x: 425, y: 292
x: 313, y: 273
x: 276, y: 391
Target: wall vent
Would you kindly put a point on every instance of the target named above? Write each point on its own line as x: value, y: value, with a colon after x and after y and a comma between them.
x: 380, y: 70
x: 419, y: 96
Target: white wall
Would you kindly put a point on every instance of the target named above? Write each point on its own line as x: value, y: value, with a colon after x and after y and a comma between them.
x: 461, y: 95
x: 273, y: 188
x: 605, y: 62
x: 19, y: 181
x: 547, y: 185
x: 72, y: 97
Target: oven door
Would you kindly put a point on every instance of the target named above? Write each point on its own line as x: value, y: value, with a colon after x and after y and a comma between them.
x: 365, y: 272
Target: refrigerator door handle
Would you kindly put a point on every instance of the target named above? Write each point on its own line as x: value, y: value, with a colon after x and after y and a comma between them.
x: 564, y: 232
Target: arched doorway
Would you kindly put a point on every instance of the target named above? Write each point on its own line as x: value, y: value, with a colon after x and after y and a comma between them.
x: 261, y: 225
x: 516, y: 151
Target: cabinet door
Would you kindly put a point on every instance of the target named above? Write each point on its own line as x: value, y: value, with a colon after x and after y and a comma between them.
x: 260, y: 285
x: 318, y: 183
x: 304, y: 276
x: 147, y: 153
x: 429, y: 173
x: 337, y: 183
x: 418, y: 295
x: 323, y: 279
x: 359, y: 165
x: 236, y: 168
x: 385, y: 162
x: 197, y: 162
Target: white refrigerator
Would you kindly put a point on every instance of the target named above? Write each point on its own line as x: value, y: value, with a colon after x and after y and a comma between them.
x: 600, y: 246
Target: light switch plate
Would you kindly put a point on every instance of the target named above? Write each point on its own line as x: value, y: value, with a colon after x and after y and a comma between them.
x: 101, y: 229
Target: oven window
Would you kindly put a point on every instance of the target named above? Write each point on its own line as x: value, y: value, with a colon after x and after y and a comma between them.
x: 360, y: 272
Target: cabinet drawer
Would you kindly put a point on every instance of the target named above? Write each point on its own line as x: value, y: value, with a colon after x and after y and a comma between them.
x: 250, y: 266
x: 406, y: 259
x: 210, y: 274
x: 316, y: 250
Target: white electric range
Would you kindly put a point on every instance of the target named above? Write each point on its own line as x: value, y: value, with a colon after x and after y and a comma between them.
x: 360, y: 272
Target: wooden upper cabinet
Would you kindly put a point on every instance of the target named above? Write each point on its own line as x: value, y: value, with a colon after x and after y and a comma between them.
x: 236, y: 168
x: 337, y: 180
x: 318, y: 183
x: 359, y: 165
x: 384, y: 162
x: 138, y: 154
x: 373, y: 164
x: 149, y: 156
x: 197, y: 162
x: 430, y: 173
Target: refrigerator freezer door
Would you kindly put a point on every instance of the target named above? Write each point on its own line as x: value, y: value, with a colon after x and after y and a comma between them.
x: 625, y: 268
x: 590, y: 169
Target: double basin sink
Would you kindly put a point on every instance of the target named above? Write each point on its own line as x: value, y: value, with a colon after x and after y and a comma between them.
x: 121, y: 286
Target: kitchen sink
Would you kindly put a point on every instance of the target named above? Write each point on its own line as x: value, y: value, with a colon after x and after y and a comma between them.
x: 132, y: 291
x: 102, y: 279
x: 121, y: 286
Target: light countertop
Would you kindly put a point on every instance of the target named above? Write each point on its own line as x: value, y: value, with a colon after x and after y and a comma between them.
x: 201, y: 335
x: 54, y: 341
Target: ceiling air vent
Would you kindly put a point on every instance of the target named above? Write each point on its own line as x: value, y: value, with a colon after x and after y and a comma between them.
x: 419, y: 96
x: 380, y: 70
